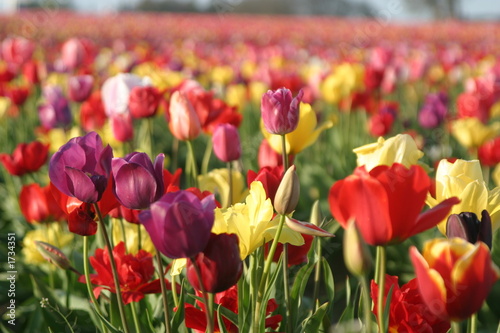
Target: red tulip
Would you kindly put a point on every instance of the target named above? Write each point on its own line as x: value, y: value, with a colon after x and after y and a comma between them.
x: 122, y: 127
x: 489, y: 152
x: 18, y: 95
x: 26, y: 158
x: 92, y: 115
x: 270, y: 177
x: 407, y: 311
x: 386, y: 203
x: 143, y: 101
x: 38, y: 205
x: 135, y: 272
x: 454, y: 276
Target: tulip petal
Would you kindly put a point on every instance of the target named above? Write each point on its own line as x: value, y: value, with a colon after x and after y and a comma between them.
x: 135, y: 187
x: 81, y: 186
x: 433, y: 216
x: 472, y: 278
x: 306, y: 228
x: 430, y: 285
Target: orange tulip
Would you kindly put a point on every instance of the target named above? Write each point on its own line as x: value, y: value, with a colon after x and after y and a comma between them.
x: 184, y: 122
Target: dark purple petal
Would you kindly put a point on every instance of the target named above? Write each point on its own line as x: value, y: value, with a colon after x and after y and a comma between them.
x: 135, y: 187
x: 81, y: 186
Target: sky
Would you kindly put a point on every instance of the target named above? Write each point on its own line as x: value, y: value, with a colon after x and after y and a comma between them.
x: 472, y: 9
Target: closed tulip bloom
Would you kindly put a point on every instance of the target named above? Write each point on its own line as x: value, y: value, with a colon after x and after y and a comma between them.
x: 138, y: 182
x: 38, y: 205
x: 143, y: 101
x: 280, y: 112
x: 80, y: 87
x: 17, y: 50
x: 73, y: 53
x: 379, y: 202
x: 115, y: 93
x: 92, y: 115
x: 81, y: 168
x: 184, y: 123
x: 26, y: 158
x: 122, y: 127
x: 179, y: 224
x: 226, y: 143
x: 454, y: 276
x: 219, y: 263
x: 489, y: 152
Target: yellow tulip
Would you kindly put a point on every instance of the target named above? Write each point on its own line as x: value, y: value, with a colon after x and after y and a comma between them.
x: 236, y: 95
x: 345, y: 79
x: 4, y: 106
x: 398, y: 149
x: 253, y: 222
x: 217, y: 181
x: 464, y: 180
x: 472, y: 133
x: 127, y: 232
x: 52, y: 233
x: 304, y: 135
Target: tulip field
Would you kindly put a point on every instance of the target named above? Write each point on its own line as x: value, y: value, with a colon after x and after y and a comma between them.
x: 237, y: 173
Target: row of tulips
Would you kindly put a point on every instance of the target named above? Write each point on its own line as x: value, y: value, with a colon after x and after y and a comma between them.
x: 226, y: 249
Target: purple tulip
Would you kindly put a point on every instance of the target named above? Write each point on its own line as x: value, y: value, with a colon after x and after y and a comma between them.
x: 80, y: 87
x: 179, y: 224
x: 434, y: 110
x: 138, y: 182
x: 81, y: 168
x: 226, y: 142
x: 279, y: 111
x: 55, y: 112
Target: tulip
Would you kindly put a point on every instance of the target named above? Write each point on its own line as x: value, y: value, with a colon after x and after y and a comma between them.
x: 357, y: 256
x: 303, y: 136
x: 268, y: 157
x: 380, y: 124
x: 179, y: 223
x: 280, y: 112
x: 398, y: 149
x: 115, y: 93
x: 226, y: 143
x: 26, y: 158
x: 464, y: 180
x: 55, y: 111
x: 122, y: 127
x: 454, y: 276
x: 135, y: 273
x: 253, y: 222
x: 489, y: 152
x: 472, y: 133
x: 434, y: 110
x: 80, y: 87
x: 467, y: 226
x: 217, y: 181
x: 73, y: 53
x: 17, y: 95
x: 38, y: 205
x: 378, y: 201
x: 469, y: 105
x: 54, y: 255
x: 92, y: 115
x: 144, y: 101
x: 270, y: 177
x: 288, y: 192
x: 17, y: 50
x: 407, y: 310
x: 219, y: 264
x: 138, y: 182
x: 184, y: 123
x: 81, y: 168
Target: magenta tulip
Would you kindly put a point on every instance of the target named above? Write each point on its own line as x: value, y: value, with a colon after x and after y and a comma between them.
x: 280, y: 112
x: 55, y: 111
x: 80, y: 87
x: 220, y: 264
x: 226, y: 142
x: 138, y: 182
x: 179, y: 224
x: 81, y: 168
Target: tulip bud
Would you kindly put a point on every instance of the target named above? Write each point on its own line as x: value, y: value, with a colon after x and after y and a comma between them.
x: 316, y: 216
x: 467, y: 226
x: 226, y: 142
x: 54, y: 255
x: 288, y: 193
x: 357, y: 256
x: 280, y: 112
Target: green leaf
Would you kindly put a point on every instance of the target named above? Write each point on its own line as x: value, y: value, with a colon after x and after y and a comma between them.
x: 106, y: 322
x: 178, y: 318
x: 387, y: 307
x: 298, y: 287
x: 222, y: 326
x: 230, y: 315
x: 328, y: 278
x: 313, y: 323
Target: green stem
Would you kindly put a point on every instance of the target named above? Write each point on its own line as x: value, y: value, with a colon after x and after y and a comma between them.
x: 208, y: 305
x: 283, y: 152
x: 230, y: 175
x: 381, y: 288
x: 286, y: 284
x: 377, y: 266
x: 62, y: 316
x: 175, y: 154
x: 366, y: 304
x: 173, y: 287
x: 473, y: 323
x: 163, y: 292
x: 317, y: 274
x: 194, y: 167
x: 134, y: 317
x: 113, y: 269
x: 206, y: 157
x: 456, y: 327
x: 124, y: 235
x: 263, y: 282
x: 86, y: 273
x: 139, y: 237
